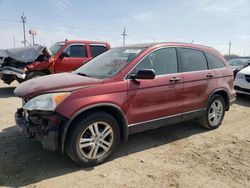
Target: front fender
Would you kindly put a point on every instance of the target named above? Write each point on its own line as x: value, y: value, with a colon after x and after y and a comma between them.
x: 39, y: 66
x: 66, y: 126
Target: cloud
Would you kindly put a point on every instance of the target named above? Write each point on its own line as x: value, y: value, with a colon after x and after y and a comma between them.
x: 220, y: 6
x: 243, y: 36
x: 62, y: 7
x: 140, y: 17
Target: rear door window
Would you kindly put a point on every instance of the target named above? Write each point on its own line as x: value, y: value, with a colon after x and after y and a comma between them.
x: 78, y: 51
x: 213, y: 62
x: 192, y: 60
x: 97, y: 50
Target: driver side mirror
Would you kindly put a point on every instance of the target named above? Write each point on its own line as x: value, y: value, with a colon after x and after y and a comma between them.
x: 64, y: 54
x: 144, y: 74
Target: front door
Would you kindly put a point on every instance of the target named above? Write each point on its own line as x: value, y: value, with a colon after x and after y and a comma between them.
x: 158, y: 98
x: 77, y: 57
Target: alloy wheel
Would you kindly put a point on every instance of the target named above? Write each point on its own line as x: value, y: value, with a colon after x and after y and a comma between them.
x: 96, y: 140
x: 215, y: 113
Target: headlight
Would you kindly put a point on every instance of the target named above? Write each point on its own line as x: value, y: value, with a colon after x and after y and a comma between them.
x: 240, y: 75
x: 46, y: 102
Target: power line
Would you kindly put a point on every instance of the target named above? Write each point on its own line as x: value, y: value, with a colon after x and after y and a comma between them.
x: 23, y: 20
x: 14, y: 41
x: 8, y: 20
x: 61, y: 25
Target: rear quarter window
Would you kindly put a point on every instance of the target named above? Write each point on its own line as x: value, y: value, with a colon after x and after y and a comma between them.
x: 213, y: 62
x: 192, y: 60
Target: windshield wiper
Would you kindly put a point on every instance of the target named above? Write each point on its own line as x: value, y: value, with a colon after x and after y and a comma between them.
x: 83, y: 74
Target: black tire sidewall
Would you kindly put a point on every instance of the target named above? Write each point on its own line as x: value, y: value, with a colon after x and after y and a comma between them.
x: 73, y: 149
x: 34, y: 74
x: 211, y: 101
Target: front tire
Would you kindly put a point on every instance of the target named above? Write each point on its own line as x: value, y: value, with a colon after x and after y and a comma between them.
x: 93, y: 138
x: 214, y: 113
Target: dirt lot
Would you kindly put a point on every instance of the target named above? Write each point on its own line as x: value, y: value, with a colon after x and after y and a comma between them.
x: 182, y: 155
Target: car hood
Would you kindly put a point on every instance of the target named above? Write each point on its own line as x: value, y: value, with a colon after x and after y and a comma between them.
x: 25, y: 54
x: 246, y: 70
x: 21, y: 57
x: 54, y: 83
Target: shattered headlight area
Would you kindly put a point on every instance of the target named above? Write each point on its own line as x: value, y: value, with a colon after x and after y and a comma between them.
x: 44, y: 126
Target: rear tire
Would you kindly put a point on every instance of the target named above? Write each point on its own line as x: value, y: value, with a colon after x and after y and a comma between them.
x: 93, y: 138
x: 214, y: 114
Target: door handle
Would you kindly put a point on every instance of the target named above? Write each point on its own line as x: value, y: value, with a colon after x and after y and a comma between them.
x: 210, y: 75
x: 175, y: 79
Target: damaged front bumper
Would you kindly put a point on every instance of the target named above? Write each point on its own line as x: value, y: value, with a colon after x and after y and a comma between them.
x: 42, y: 125
x: 19, y: 73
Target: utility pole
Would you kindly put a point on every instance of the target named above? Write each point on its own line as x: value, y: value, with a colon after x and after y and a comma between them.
x: 23, y: 20
x: 229, y: 50
x: 14, y: 41
x: 124, y: 34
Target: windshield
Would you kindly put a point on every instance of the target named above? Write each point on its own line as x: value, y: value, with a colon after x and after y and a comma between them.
x: 238, y: 62
x: 109, y: 63
x: 56, y: 47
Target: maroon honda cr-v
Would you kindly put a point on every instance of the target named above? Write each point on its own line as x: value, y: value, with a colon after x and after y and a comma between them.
x: 124, y: 91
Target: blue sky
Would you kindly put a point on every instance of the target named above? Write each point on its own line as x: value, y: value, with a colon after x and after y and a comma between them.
x: 209, y: 22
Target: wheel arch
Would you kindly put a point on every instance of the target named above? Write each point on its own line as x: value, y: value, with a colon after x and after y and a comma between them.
x: 224, y: 93
x: 46, y: 71
x: 30, y: 74
x: 110, y: 108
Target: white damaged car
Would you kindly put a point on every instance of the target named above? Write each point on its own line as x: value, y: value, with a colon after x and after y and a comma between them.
x: 242, y: 81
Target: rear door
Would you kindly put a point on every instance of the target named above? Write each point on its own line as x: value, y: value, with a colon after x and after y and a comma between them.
x: 198, y: 80
x: 77, y: 56
x: 157, y: 98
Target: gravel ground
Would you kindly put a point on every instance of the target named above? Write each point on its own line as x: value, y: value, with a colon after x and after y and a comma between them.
x: 182, y: 155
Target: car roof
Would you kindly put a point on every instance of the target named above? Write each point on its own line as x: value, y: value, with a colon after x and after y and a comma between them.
x: 240, y: 59
x: 83, y: 41
x: 176, y: 44
x: 152, y: 44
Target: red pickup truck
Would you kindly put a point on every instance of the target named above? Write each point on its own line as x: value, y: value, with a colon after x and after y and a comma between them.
x: 25, y: 63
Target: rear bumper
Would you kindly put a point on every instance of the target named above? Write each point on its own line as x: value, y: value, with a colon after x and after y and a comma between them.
x: 19, y: 73
x: 44, y: 127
